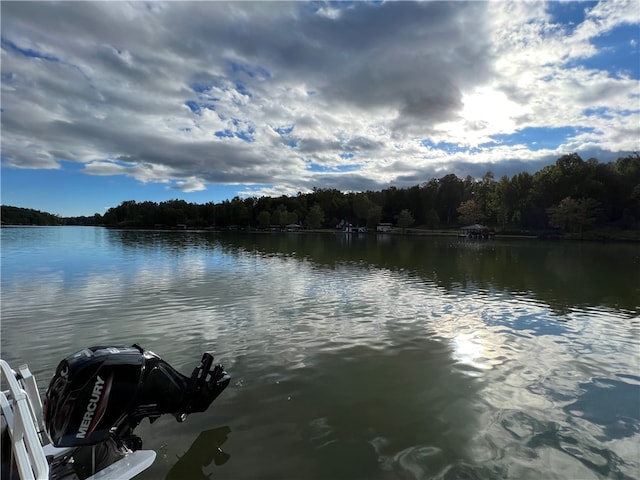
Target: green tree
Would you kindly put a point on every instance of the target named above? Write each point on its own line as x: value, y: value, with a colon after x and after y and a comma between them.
x: 503, y: 201
x: 333, y: 202
x: 291, y: 218
x: 449, y: 196
x: 239, y: 212
x: 484, y: 196
x: 315, y: 217
x: 428, y: 193
x: 405, y: 219
x: 373, y: 216
x: 27, y: 216
x: 361, y: 206
x: 571, y: 215
x: 520, y: 188
x: 470, y: 212
x: 431, y: 218
x: 279, y: 216
x: 264, y: 218
x: 208, y: 214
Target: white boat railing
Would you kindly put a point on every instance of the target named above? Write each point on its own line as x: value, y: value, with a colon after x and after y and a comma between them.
x: 18, y: 412
x: 28, y: 383
x: 21, y: 409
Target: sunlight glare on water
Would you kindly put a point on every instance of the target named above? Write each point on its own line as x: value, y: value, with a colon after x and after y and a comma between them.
x: 387, y: 358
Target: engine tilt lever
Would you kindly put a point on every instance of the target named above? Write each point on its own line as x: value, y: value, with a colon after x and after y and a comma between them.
x: 204, y: 386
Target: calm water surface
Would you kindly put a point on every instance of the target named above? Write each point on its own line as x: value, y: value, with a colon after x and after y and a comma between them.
x: 355, y: 357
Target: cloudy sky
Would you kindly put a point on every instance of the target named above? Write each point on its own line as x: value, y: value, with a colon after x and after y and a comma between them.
x: 112, y: 101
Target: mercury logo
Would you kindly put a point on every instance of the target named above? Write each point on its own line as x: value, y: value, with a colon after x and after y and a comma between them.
x: 94, y: 408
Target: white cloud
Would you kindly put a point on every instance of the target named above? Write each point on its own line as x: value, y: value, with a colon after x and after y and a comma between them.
x: 142, y: 89
x: 192, y: 184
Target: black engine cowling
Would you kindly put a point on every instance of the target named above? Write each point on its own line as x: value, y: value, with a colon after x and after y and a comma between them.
x: 103, y: 392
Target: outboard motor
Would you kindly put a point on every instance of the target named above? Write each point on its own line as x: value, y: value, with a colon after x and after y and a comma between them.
x: 101, y: 394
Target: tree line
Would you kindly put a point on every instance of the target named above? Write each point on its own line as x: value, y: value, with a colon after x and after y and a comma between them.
x: 571, y: 195
x: 26, y: 216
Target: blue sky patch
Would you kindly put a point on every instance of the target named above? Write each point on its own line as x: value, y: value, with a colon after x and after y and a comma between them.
x: 282, y: 131
x: 538, y: 138
x: 285, y: 131
x: 446, y: 146
x: 246, y: 135
x: 253, y: 72
x: 316, y: 167
x: 601, y: 112
x: 224, y: 133
x: 202, y: 87
x: 346, y: 155
x: 27, y: 52
x: 196, y: 107
x: 569, y: 14
x: 193, y: 106
x: 617, y: 53
x: 242, y: 89
x: 449, y: 147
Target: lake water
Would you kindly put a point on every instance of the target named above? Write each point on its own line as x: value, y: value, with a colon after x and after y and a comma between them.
x: 354, y: 357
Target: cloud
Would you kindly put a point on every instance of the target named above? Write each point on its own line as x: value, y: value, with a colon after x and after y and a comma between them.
x: 203, y: 93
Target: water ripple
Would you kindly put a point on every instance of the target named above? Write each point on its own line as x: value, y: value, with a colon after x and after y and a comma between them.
x: 343, y: 366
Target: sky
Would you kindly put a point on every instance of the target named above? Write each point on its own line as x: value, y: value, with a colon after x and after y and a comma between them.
x: 103, y: 102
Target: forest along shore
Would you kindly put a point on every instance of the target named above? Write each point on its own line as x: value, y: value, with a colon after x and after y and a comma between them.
x: 571, y: 199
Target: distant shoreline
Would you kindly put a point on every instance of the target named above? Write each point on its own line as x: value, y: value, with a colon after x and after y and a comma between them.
x: 622, y: 236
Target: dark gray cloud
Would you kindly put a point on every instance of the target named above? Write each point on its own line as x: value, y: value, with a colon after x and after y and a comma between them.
x: 255, y: 92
